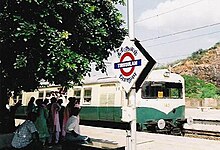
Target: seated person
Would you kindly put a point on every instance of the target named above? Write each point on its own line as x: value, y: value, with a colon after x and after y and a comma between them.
x: 72, y: 127
x: 26, y: 136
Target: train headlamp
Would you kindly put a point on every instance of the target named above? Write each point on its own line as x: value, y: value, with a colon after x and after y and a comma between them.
x: 189, y: 121
x: 166, y: 74
x: 161, y: 124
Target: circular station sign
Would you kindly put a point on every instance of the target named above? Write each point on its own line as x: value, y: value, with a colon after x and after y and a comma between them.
x: 131, y: 69
x: 128, y: 64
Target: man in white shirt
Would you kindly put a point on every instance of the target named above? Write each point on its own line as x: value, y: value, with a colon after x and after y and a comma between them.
x: 72, y: 127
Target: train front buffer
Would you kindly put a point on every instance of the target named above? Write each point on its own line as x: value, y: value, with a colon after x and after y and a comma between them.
x: 167, y: 126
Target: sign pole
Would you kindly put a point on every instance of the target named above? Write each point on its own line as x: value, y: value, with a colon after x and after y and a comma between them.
x: 132, y: 94
x: 132, y: 98
x: 132, y: 64
x: 130, y: 9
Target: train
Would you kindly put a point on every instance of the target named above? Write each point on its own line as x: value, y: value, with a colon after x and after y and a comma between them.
x: 160, y: 101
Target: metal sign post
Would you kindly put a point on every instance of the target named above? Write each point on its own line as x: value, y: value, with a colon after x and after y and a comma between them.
x: 131, y: 66
x: 132, y: 99
x: 132, y: 94
x: 130, y: 9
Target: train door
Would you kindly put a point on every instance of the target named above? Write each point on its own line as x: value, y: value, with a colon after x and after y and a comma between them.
x: 107, y: 102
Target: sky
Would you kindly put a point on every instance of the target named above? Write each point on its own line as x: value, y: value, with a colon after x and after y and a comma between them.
x: 171, y: 30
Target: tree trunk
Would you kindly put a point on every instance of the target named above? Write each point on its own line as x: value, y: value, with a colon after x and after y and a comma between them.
x: 4, y: 113
x: 3, y: 97
x: 3, y: 93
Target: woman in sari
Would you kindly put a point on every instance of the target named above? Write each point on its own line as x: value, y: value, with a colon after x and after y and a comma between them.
x: 41, y: 121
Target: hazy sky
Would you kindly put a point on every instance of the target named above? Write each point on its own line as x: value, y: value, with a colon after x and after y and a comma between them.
x: 172, y: 29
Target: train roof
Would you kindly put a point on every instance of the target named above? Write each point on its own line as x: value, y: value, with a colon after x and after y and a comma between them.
x: 164, y: 75
x: 103, y: 79
x: 160, y: 75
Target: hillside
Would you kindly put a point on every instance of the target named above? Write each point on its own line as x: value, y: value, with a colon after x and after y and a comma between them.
x: 205, y: 64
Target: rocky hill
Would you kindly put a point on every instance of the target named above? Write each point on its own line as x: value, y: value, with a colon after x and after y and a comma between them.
x: 205, y: 64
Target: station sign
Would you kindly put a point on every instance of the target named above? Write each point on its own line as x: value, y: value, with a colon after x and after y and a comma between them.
x: 128, y: 63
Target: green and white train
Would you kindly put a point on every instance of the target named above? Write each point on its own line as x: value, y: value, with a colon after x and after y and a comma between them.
x: 160, y: 101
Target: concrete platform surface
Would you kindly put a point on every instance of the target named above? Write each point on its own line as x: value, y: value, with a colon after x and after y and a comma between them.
x: 148, y: 141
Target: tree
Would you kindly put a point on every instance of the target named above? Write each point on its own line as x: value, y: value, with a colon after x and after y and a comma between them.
x: 55, y: 40
x: 196, y: 88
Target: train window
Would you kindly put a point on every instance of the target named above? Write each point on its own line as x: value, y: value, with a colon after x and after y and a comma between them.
x: 48, y: 93
x: 87, y: 96
x: 107, y: 85
x: 77, y: 94
x: 160, y: 90
x: 107, y: 99
x: 18, y: 98
x: 41, y: 94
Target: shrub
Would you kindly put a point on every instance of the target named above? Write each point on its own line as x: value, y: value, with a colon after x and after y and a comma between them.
x: 197, y: 88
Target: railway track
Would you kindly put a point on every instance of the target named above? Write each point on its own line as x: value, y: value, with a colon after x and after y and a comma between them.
x: 206, y: 122
x: 201, y: 128
x: 202, y: 132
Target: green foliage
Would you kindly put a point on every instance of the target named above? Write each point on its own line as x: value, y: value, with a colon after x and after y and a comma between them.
x: 215, y: 46
x: 55, y: 40
x: 196, y: 56
x: 196, y: 88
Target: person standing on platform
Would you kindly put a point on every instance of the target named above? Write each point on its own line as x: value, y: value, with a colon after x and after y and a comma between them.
x: 41, y: 121
x: 77, y: 105
x: 45, y: 102
x: 61, y: 114
x: 55, y: 108
x: 66, y: 115
x: 31, y: 107
x: 50, y: 120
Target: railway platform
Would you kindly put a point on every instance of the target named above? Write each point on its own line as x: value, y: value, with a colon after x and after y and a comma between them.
x: 145, y: 141
x: 149, y: 141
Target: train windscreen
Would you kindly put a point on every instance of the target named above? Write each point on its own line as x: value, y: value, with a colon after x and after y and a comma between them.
x: 161, y: 90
